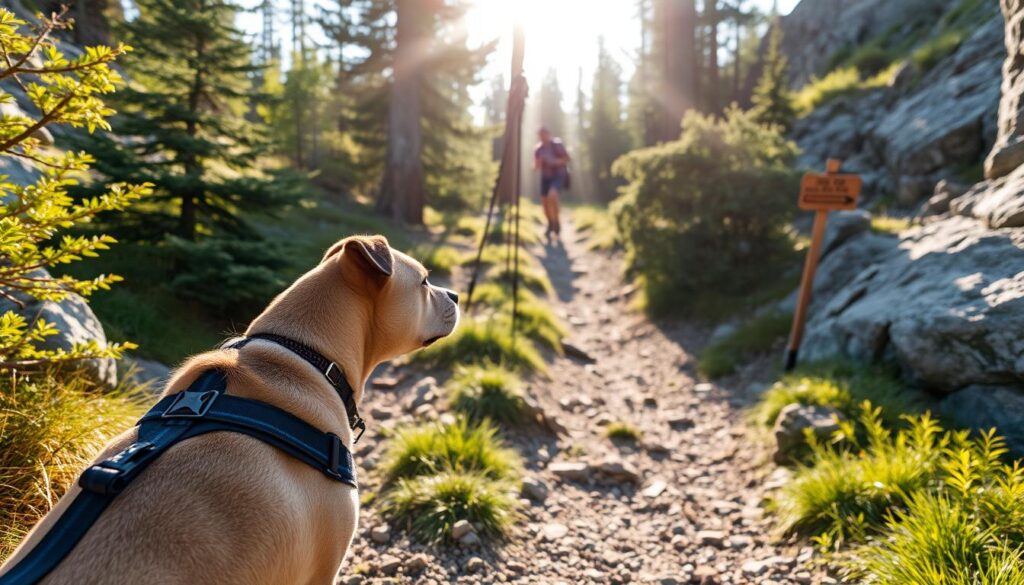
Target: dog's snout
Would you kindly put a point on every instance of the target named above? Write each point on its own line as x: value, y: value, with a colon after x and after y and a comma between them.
x: 453, y: 296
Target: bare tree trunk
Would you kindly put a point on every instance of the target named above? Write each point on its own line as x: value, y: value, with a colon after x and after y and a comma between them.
x: 737, y: 66
x: 676, y: 21
x: 711, y: 95
x: 402, y: 191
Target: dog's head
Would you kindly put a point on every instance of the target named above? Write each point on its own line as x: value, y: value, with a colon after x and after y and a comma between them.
x: 406, y: 311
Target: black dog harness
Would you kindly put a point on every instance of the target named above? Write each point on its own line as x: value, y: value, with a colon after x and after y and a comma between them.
x: 202, y: 408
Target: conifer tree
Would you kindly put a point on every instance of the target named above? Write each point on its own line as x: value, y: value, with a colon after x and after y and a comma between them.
x: 183, y: 125
x: 607, y: 135
x: 550, y: 96
x: 773, y: 101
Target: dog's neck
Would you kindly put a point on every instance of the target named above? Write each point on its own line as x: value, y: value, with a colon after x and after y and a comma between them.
x: 329, y: 319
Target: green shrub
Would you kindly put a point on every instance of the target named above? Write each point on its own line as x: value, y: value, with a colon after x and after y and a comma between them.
x: 820, y: 91
x: 529, y: 277
x: 476, y: 342
x: 231, y: 277
x: 49, y: 429
x: 846, y: 493
x: 622, y: 431
x: 939, y: 539
x: 487, y: 392
x: 431, y: 505
x: 842, y: 385
x: 433, y: 448
x: 752, y: 337
x: 35, y: 217
x: 887, y: 224
x: 705, y: 215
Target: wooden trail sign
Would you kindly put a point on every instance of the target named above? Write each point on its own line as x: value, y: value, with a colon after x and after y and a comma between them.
x: 821, y: 194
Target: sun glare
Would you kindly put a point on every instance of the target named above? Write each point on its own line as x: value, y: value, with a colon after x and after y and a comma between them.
x: 560, y: 35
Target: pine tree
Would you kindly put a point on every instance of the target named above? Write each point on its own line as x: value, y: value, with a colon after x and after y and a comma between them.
x: 675, y: 49
x: 773, y: 101
x: 183, y: 125
x: 607, y: 137
x: 552, y: 116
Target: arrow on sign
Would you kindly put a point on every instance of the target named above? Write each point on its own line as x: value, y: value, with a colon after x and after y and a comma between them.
x: 845, y: 199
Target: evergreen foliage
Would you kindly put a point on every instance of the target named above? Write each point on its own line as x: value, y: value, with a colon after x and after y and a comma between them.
x: 65, y: 91
x: 606, y: 136
x: 773, y: 102
x: 550, y: 97
x: 184, y: 125
x: 704, y: 216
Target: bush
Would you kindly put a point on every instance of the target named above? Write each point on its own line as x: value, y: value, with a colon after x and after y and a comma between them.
x: 622, y: 431
x: 476, y: 342
x: 705, y: 215
x: 752, y: 337
x: 487, y: 392
x: 920, y: 505
x: 32, y: 217
x: 232, y: 277
x: 431, y: 505
x: 434, y: 448
x: 49, y: 430
x: 938, y: 48
x: 820, y: 91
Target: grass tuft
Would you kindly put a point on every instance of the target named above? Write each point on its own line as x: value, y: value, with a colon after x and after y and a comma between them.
x: 887, y: 224
x: 487, y: 392
x: 754, y: 336
x: 842, y: 385
x: 431, y: 505
x: 440, y: 260
x: 622, y: 431
x: 49, y: 429
x: 433, y: 448
x: 599, y: 226
x: 477, y: 342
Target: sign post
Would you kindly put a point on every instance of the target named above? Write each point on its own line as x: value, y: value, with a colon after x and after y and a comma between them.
x: 820, y: 194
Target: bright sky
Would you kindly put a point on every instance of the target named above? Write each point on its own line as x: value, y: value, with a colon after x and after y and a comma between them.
x: 560, y: 34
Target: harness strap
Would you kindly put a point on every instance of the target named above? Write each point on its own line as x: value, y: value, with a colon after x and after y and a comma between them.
x: 202, y: 408
x: 330, y: 370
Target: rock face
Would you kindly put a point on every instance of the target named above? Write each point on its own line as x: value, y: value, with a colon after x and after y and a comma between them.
x: 906, y: 137
x: 1008, y: 153
x: 75, y: 323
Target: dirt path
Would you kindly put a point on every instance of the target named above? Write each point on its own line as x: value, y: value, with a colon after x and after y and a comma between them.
x: 682, y: 505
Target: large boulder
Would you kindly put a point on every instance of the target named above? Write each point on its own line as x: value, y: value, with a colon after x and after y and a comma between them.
x: 1008, y: 153
x: 946, y: 301
x: 998, y: 202
x: 75, y: 323
x: 985, y: 407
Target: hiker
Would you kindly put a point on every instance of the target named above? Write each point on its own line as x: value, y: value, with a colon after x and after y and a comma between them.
x: 552, y: 159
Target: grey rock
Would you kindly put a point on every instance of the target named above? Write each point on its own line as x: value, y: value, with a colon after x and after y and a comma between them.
x: 575, y: 351
x: 842, y: 226
x: 945, y: 192
x: 75, y: 323
x: 475, y: 565
x: 470, y: 539
x: 619, y: 470
x: 534, y: 489
x: 461, y: 528
x: 998, y: 202
x: 137, y: 371
x: 380, y: 534
x: 553, y: 531
x: 945, y: 301
x: 424, y: 392
x: 353, y: 580
x: 416, y: 563
x: 794, y: 421
x: 1008, y: 152
x: 985, y: 407
x: 715, y: 538
x: 570, y: 470
x: 389, y: 564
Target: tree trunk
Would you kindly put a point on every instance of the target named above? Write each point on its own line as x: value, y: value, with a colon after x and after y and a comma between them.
x: 711, y: 95
x: 187, y: 221
x: 402, y: 192
x: 677, y: 23
x: 737, y: 66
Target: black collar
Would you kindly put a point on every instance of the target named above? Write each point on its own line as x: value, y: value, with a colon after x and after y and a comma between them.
x: 330, y: 370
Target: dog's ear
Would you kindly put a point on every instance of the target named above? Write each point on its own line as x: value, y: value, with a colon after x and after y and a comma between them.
x: 372, y: 252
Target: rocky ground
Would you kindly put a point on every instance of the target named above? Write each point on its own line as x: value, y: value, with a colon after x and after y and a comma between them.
x: 683, y: 505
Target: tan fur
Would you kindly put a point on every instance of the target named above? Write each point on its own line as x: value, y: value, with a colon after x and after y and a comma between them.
x: 226, y: 508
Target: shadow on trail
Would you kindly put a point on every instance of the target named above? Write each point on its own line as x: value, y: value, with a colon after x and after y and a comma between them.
x: 558, y: 265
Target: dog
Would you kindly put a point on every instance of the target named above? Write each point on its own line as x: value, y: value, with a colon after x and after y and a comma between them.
x: 226, y: 508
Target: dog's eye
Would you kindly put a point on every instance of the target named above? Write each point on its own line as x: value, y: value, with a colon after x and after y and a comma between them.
x: 425, y: 283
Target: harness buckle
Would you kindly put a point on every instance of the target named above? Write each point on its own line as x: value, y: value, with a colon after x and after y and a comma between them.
x: 190, y: 404
x: 106, y: 477
x: 333, y: 374
x: 361, y: 425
